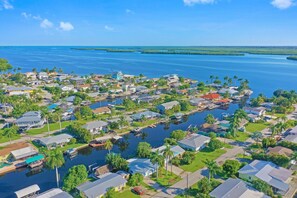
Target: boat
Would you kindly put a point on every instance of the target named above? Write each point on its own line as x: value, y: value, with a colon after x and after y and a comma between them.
x: 178, y: 116
x: 71, y: 152
x: 36, y: 164
x: 137, y: 130
x: 152, y: 126
x: 96, y: 143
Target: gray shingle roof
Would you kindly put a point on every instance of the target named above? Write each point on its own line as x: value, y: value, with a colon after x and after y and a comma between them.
x: 24, y: 152
x: 146, y: 114
x: 101, y: 186
x: 95, y: 124
x: 235, y: 188
x: 54, y: 193
x: 269, y: 172
x: 57, y: 139
x: 142, y: 166
x: 195, y: 140
x: 169, y: 105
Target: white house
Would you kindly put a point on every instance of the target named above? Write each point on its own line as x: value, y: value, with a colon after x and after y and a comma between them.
x: 194, y: 142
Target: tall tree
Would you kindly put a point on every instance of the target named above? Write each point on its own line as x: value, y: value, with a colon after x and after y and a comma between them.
x: 108, y: 145
x: 168, y: 154
x: 212, y: 166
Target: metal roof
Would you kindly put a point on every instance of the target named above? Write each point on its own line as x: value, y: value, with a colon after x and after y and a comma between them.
x: 24, y: 152
x: 195, y: 140
x: 27, y: 191
x: 57, y: 139
x: 54, y: 193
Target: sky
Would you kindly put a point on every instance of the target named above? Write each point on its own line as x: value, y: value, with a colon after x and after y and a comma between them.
x: 148, y: 22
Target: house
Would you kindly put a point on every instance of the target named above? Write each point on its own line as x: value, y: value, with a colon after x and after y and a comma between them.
x: 277, y: 177
x: 293, y: 131
x: 101, y: 110
x: 148, y: 98
x: 98, y: 188
x: 77, y: 80
x: 142, y: 89
x: 31, y: 75
x: 258, y: 111
x: 177, y: 150
x: 231, y: 90
x: 211, y: 97
x: 67, y: 87
x: 96, y: 126
x: 198, y: 102
x: 6, y: 108
x: 61, y: 77
x: 291, y: 138
x: 236, y: 188
x: 55, y: 141
x: 279, y: 150
x: 30, y: 119
x: 84, y: 87
x: 70, y: 99
x: 30, y: 191
x: 146, y: 115
x: 171, y: 78
x: 167, y: 106
x: 23, y: 153
x: 194, y: 142
x: 42, y: 76
x: 12, y: 90
x: 117, y: 75
x: 141, y: 165
x: 54, y: 193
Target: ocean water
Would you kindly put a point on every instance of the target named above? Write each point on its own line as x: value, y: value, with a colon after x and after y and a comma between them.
x: 265, y: 73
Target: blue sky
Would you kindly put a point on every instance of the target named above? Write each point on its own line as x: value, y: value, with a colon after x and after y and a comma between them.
x: 148, y: 22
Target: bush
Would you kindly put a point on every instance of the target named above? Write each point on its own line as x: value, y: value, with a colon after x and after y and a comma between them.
x: 72, y: 141
x: 178, y: 135
x: 75, y: 176
x: 231, y: 167
x: 188, y: 157
x: 215, y: 144
x: 280, y: 160
x: 262, y: 187
x: 144, y: 150
x: 135, y: 179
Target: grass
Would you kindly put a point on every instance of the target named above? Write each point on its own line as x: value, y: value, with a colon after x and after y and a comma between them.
x: 126, y: 193
x: 166, y: 179
x: 241, y: 136
x: 4, y: 139
x: 52, y: 127
x: 254, y: 127
x: 278, y: 115
x: 202, y: 156
x: 144, y: 123
x: 242, y: 156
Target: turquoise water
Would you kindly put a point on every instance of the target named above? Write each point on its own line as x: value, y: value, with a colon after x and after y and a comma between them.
x: 265, y: 72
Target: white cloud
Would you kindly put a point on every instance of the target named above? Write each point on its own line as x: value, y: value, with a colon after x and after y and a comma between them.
x: 29, y: 16
x: 46, y: 24
x: 66, y: 26
x: 128, y: 11
x: 108, y: 28
x: 192, y: 2
x: 282, y: 4
x: 6, y: 4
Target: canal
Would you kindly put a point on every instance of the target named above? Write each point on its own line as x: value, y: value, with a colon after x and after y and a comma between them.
x: 45, y: 178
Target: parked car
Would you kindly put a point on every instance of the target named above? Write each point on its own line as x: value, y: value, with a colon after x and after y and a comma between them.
x: 138, y: 190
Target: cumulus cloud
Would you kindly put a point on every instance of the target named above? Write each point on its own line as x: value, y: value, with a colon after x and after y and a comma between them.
x: 30, y: 16
x: 108, y: 28
x: 45, y: 23
x: 66, y: 26
x: 6, y: 5
x: 282, y: 4
x: 193, y: 2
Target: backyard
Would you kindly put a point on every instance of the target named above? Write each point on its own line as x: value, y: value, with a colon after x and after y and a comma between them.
x: 166, y: 179
x: 254, y: 127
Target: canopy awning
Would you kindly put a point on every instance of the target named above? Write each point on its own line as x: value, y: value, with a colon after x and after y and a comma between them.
x: 34, y: 159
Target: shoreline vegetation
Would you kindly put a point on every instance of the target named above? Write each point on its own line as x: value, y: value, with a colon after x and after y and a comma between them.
x: 230, y: 51
x: 292, y: 58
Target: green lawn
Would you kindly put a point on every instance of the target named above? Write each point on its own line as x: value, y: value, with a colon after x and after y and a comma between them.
x: 4, y: 139
x: 127, y: 193
x: 254, y: 127
x: 241, y: 136
x: 202, y: 156
x: 144, y: 123
x: 166, y: 179
x: 52, y: 127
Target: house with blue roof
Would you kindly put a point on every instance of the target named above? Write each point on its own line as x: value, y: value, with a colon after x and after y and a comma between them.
x: 141, y: 165
x: 117, y: 75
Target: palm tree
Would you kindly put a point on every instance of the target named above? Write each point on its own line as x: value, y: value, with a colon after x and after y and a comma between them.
x: 54, y: 160
x: 168, y: 154
x: 212, y: 166
x: 157, y: 160
x: 108, y: 145
x: 257, y: 136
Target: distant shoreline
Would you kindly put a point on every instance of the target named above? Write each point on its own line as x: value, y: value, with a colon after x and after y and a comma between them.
x: 292, y: 58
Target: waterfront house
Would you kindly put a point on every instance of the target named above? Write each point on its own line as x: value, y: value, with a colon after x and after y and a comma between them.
x: 211, y: 97
x: 171, y: 78
x: 77, y: 80
x: 236, y: 188
x: 167, y: 106
x: 148, y: 99
x: 198, y: 102
x: 279, y: 150
x: 117, y: 75
x: 23, y: 153
x: 102, y: 110
x: 99, y: 188
x: 145, y: 115
x: 54, y: 193
x: 30, y: 191
x: 96, y: 127
x: 141, y: 165
x: 30, y: 119
x: 31, y: 75
x: 12, y: 90
x: 231, y: 90
x: 277, y: 177
x: 42, y: 76
x: 55, y: 141
x: 177, y: 150
x: 61, y: 77
x: 258, y: 111
x: 194, y: 142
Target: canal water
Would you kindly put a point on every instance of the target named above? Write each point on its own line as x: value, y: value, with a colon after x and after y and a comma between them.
x: 45, y: 178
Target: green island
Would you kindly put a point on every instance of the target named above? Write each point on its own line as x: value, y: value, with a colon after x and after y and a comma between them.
x: 292, y: 58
